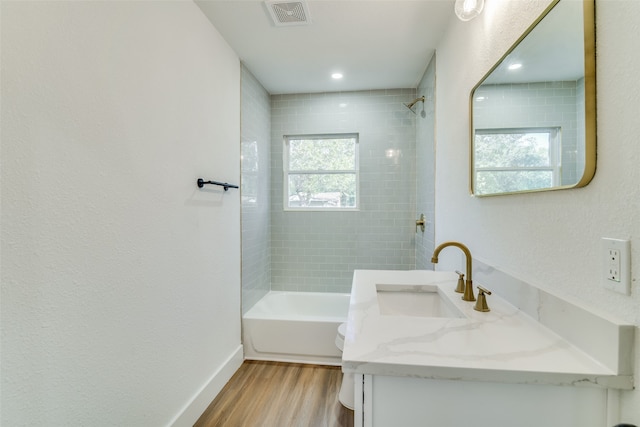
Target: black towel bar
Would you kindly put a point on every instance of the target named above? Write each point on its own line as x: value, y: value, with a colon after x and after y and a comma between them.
x: 201, y: 182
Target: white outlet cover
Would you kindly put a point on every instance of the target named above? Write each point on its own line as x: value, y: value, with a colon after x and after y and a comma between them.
x: 623, y: 247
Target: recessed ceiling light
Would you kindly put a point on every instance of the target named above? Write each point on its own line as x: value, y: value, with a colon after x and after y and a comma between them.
x: 468, y: 9
x: 515, y: 66
x: 336, y: 76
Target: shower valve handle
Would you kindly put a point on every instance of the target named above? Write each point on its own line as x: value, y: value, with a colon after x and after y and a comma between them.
x: 420, y: 223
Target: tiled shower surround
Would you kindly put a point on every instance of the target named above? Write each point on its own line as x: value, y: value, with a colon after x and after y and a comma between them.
x: 318, y: 251
x: 255, y: 191
x: 425, y: 167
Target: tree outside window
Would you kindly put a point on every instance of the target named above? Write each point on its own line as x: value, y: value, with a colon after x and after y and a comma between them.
x: 321, y: 172
x: 508, y: 160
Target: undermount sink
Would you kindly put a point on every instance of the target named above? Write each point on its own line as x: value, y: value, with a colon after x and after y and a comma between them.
x: 414, y: 300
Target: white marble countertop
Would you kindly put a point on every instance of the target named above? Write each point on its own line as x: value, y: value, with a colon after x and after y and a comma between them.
x: 503, y: 345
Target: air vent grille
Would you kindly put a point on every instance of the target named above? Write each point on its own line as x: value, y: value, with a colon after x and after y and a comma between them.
x: 285, y: 13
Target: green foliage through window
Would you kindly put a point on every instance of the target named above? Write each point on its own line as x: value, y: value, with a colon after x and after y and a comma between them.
x: 321, y: 171
x: 509, y: 160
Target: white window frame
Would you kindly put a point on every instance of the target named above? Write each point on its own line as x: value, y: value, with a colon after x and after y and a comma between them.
x: 554, y: 152
x: 287, y: 171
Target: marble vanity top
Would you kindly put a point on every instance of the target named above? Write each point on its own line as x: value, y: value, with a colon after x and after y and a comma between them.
x: 503, y: 345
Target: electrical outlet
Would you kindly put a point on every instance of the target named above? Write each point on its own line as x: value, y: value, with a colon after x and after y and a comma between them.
x: 613, y: 273
x: 616, y: 268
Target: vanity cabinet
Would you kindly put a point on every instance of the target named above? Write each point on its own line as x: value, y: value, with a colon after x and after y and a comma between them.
x: 387, y: 401
x: 554, y: 366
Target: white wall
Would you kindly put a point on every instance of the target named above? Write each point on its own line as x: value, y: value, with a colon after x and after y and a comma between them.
x: 120, y: 279
x: 551, y: 239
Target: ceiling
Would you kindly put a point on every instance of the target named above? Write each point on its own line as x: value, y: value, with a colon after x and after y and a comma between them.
x: 376, y: 44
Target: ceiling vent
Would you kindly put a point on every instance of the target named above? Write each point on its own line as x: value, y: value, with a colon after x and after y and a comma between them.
x: 287, y: 13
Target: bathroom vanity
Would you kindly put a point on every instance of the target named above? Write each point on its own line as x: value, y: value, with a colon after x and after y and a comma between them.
x: 423, y: 357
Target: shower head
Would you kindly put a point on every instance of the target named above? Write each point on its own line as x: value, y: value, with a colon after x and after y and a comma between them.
x: 414, y: 102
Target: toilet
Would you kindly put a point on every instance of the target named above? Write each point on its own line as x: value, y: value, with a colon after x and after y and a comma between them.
x: 346, y: 394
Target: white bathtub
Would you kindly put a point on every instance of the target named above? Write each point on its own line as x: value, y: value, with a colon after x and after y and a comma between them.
x: 296, y: 327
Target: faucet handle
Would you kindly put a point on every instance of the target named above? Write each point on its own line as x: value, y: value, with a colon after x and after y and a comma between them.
x: 481, y: 304
x: 460, y: 286
x: 421, y: 223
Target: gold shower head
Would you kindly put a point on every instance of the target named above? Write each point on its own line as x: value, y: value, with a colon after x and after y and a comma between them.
x: 414, y: 102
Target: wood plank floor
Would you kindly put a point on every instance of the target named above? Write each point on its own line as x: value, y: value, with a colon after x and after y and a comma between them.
x: 275, y: 394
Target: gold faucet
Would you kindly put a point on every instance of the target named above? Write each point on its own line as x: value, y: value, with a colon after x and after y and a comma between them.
x: 468, y: 288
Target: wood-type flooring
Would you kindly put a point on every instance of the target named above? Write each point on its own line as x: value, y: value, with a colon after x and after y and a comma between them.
x: 276, y: 394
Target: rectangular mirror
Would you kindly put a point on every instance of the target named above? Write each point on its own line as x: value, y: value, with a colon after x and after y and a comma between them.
x: 533, y: 115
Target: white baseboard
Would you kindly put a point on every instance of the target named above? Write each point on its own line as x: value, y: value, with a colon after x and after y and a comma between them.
x: 192, y: 411
x: 312, y: 360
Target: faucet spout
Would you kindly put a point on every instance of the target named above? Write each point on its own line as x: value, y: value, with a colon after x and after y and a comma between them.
x: 468, y: 288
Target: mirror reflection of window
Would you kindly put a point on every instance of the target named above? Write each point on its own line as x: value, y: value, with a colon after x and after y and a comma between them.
x: 509, y: 160
x: 539, y: 104
x: 249, y: 163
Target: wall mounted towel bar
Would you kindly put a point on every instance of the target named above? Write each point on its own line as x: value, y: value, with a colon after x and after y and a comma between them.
x: 226, y: 185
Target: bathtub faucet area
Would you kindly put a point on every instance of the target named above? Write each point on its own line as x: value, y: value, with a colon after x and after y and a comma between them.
x: 468, y: 288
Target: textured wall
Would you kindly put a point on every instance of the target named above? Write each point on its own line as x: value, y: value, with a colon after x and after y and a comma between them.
x: 552, y: 239
x: 120, y: 279
x: 318, y: 251
x: 256, y: 198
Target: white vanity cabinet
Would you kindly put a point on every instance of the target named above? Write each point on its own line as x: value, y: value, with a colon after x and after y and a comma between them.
x: 387, y: 401
x: 552, y: 366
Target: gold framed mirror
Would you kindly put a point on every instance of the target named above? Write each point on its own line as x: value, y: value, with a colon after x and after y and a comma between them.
x: 533, y: 115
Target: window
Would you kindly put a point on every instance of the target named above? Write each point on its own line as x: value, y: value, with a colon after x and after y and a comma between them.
x: 321, y: 172
x: 508, y: 160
